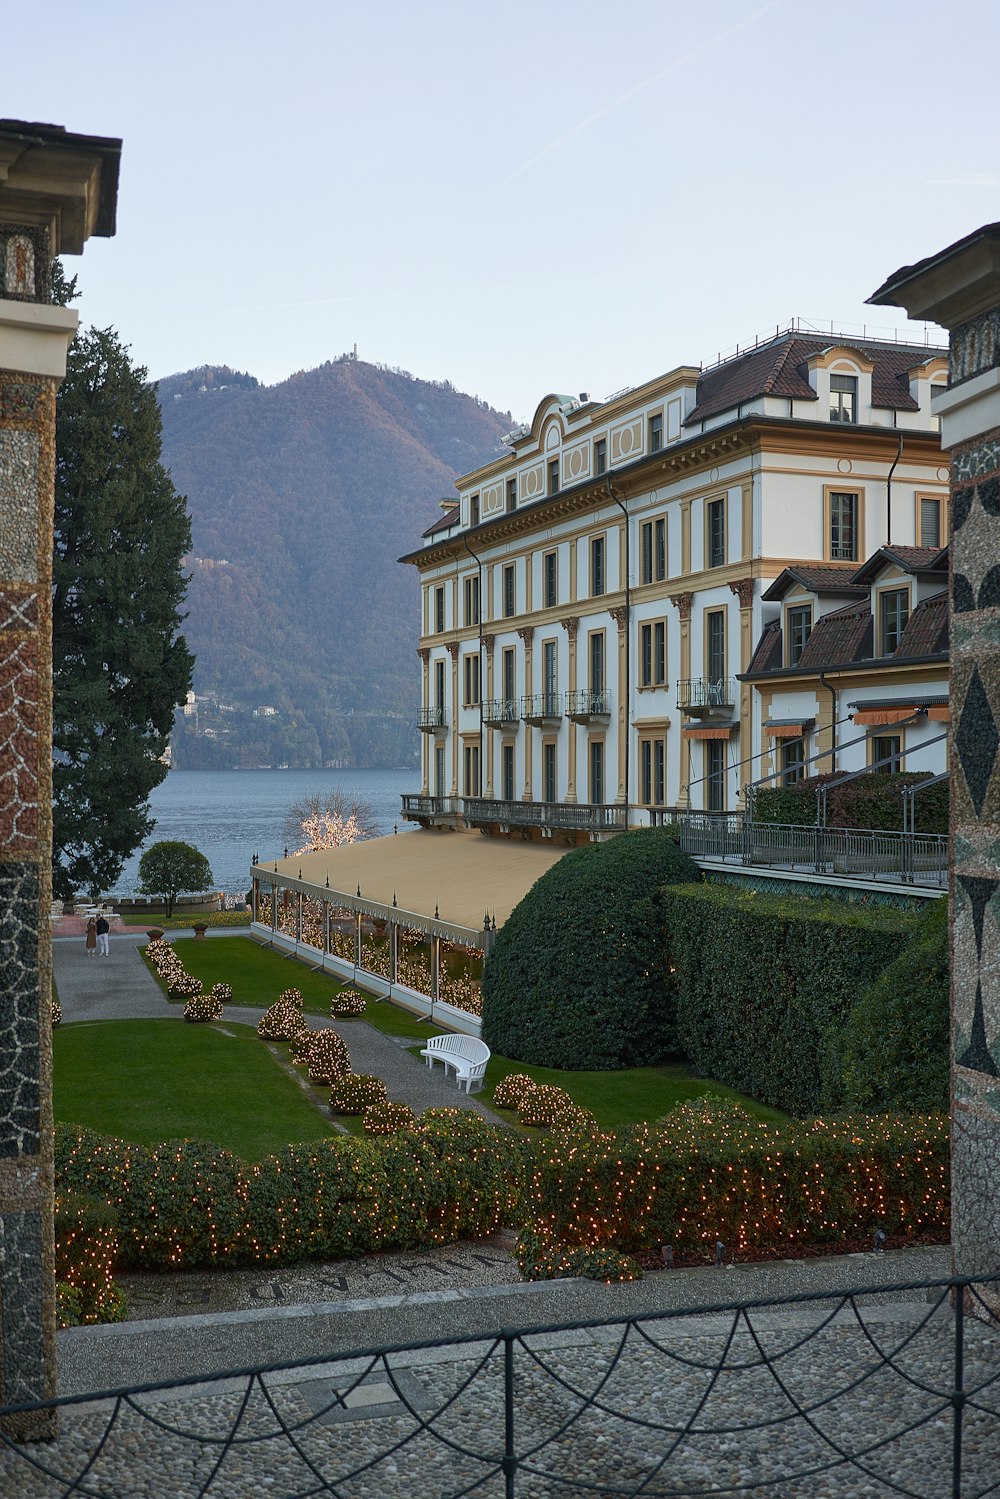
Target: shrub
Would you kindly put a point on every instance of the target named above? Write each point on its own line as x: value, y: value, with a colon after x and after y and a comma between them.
x: 328, y: 1057
x: 709, y: 1171
x: 761, y: 979
x: 348, y: 1003
x: 355, y: 1093
x: 300, y: 1044
x: 576, y: 978
x: 893, y: 1052
x: 291, y: 997
x: 872, y: 801
x: 203, y: 1007
x: 86, y: 1251
x: 512, y: 1090
x: 544, y: 1105
x: 388, y: 1118
x: 222, y: 992
x: 283, y: 1021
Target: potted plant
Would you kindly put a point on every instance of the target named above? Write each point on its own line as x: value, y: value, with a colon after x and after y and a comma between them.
x: 154, y: 933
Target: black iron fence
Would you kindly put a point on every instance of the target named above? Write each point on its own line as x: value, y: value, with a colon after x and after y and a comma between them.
x: 818, y: 1395
x: 861, y: 853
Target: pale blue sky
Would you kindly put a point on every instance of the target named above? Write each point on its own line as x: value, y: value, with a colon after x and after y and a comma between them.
x: 520, y: 199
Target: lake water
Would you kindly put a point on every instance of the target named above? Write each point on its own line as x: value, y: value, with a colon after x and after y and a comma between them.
x: 229, y: 815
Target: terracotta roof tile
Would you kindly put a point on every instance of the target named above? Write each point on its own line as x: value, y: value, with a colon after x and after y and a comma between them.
x: 839, y: 637
x: 910, y: 559
x: 818, y: 577
x: 767, y: 656
x: 445, y: 523
x: 926, y: 632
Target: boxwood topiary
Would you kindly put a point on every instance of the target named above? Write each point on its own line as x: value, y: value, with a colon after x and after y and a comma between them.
x: 576, y: 978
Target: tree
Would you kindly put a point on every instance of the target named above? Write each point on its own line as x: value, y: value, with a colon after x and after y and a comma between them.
x: 329, y: 819
x: 169, y: 867
x: 119, y: 665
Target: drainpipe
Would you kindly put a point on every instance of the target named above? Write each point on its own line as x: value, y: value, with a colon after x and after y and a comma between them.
x: 612, y: 494
x: 833, y: 720
x: 482, y: 754
x: 888, y: 492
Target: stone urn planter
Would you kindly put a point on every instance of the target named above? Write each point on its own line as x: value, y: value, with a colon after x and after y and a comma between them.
x: 154, y: 933
x: 200, y: 928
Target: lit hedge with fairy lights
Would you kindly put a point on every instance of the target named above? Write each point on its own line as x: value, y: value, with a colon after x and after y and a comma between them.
x: 710, y: 1171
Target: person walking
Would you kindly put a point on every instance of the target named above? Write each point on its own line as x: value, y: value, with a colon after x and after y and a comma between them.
x: 102, y: 936
x: 91, y: 942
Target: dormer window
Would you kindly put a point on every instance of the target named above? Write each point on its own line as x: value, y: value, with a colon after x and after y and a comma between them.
x: 600, y: 455
x: 474, y: 510
x: 554, y: 476
x: 511, y: 495
x: 798, y: 623
x: 894, y: 611
x: 843, y: 398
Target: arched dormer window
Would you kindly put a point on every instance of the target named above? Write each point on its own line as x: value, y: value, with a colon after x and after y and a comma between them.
x: 842, y: 378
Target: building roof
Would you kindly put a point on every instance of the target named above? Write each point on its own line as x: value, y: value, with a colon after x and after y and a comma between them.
x: 826, y: 577
x: 845, y: 637
x: 910, y: 559
x: 28, y: 149
x: 767, y: 656
x: 926, y: 632
x: 841, y: 636
x: 444, y: 522
x: 779, y: 368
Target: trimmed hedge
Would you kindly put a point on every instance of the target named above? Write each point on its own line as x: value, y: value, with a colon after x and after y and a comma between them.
x: 893, y: 1052
x: 761, y: 979
x: 185, y: 1203
x: 872, y: 801
x: 710, y: 1171
x: 575, y: 978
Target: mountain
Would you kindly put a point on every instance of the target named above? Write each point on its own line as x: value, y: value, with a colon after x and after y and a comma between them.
x: 302, y: 496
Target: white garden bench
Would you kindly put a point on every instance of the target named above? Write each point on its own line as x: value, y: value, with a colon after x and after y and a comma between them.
x: 466, y: 1056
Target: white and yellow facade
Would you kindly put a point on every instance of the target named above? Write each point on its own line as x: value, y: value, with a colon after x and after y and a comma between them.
x: 594, y: 593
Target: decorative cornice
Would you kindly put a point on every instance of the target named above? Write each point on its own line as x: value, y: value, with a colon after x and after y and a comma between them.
x: 682, y: 603
x: 570, y: 626
x: 743, y: 589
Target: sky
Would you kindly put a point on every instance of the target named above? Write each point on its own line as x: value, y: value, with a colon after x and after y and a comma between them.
x: 519, y: 199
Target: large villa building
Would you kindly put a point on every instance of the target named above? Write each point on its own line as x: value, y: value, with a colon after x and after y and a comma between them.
x: 723, y: 575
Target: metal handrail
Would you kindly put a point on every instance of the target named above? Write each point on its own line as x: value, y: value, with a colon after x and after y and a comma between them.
x: 706, y: 692
x: 432, y: 718
x: 500, y: 710
x: 858, y: 853
x: 592, y: 816
x: 588, y: 700
x: 542, y: 705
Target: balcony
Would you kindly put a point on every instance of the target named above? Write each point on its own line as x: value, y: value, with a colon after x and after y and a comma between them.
x: 429, y: 809
x: 548, y: 817
x: 542, y: 709
x: 707, y: 697
x: 589, y: 705
x: 501, y: 713
x: 432, y: 720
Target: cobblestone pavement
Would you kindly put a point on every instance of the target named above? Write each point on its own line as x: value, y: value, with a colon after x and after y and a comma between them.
x: 804, y: 1402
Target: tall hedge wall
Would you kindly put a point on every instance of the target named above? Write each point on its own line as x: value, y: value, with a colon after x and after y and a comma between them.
x: 872, y: 801
x: 576, y: 977
x: 759, y: 980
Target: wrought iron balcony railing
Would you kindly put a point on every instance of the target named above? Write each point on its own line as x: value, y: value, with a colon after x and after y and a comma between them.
x: 432, y: 718
x: 418, y: 808
x: 500, y: 710
x: 537, y: 707
x: 588, y: 702
x: 591, y: 817
x: 706, y: 692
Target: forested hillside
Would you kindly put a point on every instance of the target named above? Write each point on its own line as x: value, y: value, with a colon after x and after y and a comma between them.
x: 302, y: 496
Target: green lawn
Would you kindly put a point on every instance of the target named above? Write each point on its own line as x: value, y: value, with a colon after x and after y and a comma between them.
x: 626, y: 1097
x: 153, y: 1080
x: 259, y: 974
x: 180, y: 923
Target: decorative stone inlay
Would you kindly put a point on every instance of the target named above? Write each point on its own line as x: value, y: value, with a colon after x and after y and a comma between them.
x: 974, y: 346
x: 19, y: 747
x: 19, y: 506
x: 976, y: 694
x: 976, y: 522
x: 25, y: 263
x: 977, y: 459
x: 19, y: 1018
x: 18, y: 611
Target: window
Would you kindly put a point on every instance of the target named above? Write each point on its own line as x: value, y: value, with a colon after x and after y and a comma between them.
x: 508, y: 590
x: 652, y: 772
x: 715, y: 646
x: 893, y: 612
x: 715, y: 775
x: 472, y: 600
x: 597, y: 662
x: 439, y: 684
x: 470, y: 770
x: 439, y: 609
x: 653, y: 551
x: 929, y: 528
x: 508, y: 678
x: 601, y: 456
x: 474, y: 510
x: 550, y: 677
x: 507, y: 772
x: 793, y: 758
x: 597, y: 770
x: 549, y: 772
x: 656, y: 432
x: 798, y: 624
x: 439, y: 781
x: 843, y: 398
x: 471, y: 680
x: 653, y: 654
x: 550, y: 579
x: 554, y: 476
x: 715, y: 540
x: 887, y: 753
x: 843, y: 526
x: 511, y: 495
x: 597, y: 573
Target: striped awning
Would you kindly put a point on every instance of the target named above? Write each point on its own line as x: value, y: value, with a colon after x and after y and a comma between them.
x: 788, y: 728
x: 715, y: 731
x: 882, y: 717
